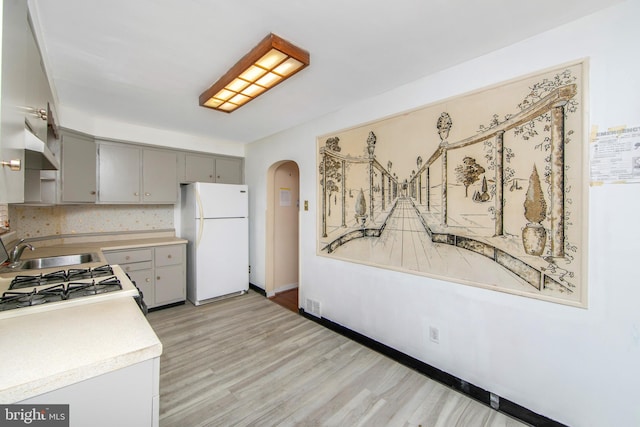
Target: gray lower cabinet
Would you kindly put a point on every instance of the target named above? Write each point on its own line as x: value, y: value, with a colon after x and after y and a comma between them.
x: 159, y: 272
x: 124, y: 397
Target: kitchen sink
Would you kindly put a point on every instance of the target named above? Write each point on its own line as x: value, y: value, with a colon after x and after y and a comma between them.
x: 56, y: 261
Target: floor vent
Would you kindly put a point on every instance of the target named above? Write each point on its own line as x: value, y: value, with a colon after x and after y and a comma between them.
x: 313, y: 307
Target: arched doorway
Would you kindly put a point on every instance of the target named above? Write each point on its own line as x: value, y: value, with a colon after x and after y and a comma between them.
x: 283, y: 183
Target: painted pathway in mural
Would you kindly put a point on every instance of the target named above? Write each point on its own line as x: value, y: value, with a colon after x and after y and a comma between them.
x: 404, y: 244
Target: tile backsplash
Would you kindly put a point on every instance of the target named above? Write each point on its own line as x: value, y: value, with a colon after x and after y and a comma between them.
x: 41, y: 221
x: 4, y: 216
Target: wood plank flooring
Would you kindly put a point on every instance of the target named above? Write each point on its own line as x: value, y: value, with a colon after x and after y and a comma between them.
x: 246, y: 361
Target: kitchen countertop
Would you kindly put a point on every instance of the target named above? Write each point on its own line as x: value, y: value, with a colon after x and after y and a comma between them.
x: 46, y: 351
x: 97, y: 246
x: 49, y: 350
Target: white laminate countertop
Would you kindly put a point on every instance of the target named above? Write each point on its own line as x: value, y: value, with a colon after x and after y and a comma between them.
x: 74, y: 246
x: 96, y: 246
x: 46, y: 351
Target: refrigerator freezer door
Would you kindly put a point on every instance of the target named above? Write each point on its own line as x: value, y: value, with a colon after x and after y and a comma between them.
x: 222, y: 258
x: 221, y: 200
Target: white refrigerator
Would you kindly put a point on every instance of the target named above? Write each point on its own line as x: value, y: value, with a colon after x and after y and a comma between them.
x: 215, y: 221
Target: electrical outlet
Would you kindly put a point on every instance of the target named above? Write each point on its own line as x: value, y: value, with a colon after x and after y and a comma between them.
x: 434, y: 334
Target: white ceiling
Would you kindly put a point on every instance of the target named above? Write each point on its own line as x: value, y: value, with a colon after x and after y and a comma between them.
x: 147, y: 61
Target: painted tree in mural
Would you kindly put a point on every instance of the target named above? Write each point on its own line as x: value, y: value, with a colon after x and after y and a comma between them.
x: 333, y: 169
x: 468, y: 172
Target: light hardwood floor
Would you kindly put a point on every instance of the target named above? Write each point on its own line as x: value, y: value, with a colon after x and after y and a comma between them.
x: 246, y: 361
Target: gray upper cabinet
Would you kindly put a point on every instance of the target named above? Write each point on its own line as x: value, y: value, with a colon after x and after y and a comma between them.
x: 204, y: 168
x: 14, y: 36
x: 130, y: 174
x: 199, y: 168
x: 118, y: 174
x: 37, y: 89
x: 78, y: 174
x: 228, y: 170
x: 159, y: 171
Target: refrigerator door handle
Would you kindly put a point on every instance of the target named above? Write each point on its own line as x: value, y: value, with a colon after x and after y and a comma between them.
x: 201, y: 218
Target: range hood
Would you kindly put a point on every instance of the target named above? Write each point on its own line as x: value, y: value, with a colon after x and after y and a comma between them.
x: 37, y: 155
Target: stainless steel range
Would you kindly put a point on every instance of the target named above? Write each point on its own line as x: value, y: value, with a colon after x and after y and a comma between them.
x: 25, y: 294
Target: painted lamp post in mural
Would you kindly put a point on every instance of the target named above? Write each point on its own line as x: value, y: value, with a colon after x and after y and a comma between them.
x: 371, y: 146
x: 389, y: 164
x: 419, y: 164
x: 444, y: 126
x: 395, y: 185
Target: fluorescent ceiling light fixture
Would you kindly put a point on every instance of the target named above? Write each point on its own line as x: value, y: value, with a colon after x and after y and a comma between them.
x: 271, y: 62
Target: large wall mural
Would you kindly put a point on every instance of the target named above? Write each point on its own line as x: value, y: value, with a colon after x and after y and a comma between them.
x: 486, y: 189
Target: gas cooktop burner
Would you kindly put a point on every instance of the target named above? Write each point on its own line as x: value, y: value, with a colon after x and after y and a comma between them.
x: 27, y: 281
x: 60, y: 292
x: 75, y: 290
x: 23, y: 281
x: 89, y: 273
x: 19, y: 299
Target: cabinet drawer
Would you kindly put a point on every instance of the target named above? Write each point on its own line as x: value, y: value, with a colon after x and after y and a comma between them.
x: 126, y: 257
x: 136, y: 266
x: 169, y: 255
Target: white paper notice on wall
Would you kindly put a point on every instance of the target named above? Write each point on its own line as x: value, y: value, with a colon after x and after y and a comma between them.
x: 285, y: 196
x: 615, y: 155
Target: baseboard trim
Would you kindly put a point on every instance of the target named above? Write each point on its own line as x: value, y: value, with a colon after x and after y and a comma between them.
x: 258, y: 289
x: 162, y: 307
x: 483, y: 396
x: 285, y: 288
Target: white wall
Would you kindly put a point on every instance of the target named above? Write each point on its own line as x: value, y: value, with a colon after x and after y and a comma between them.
x: 577, y: 366
x: 102, y: 127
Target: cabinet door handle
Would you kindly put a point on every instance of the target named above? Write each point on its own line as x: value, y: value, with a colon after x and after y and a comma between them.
x: 127, y: 258
x: 136, y: 193
x: 40, y: 113
x: 169, y: 256
x: 93, y: 193
x: 158, y: 278
x: 14, y: 165
x: 147, y: 194
x: 147, y: 280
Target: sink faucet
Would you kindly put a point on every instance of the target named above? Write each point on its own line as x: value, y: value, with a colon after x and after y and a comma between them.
x: 16, y: 252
